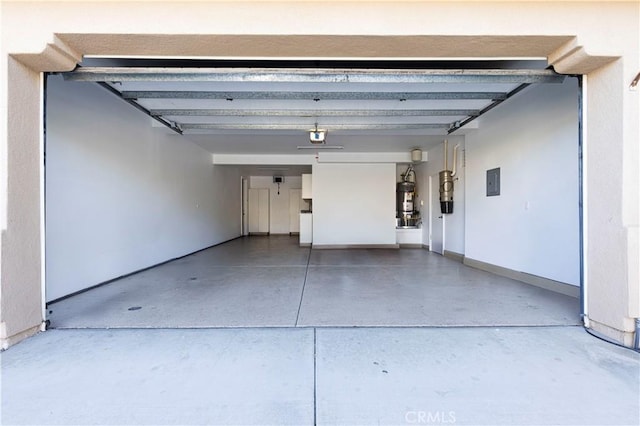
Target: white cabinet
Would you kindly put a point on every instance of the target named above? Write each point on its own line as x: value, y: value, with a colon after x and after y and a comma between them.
x: 258, y: 211
x: 410, y: 237
x: 306, y: 229
x: 306, y: 187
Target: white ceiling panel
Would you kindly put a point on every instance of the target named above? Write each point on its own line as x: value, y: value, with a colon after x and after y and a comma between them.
x: 264, y: 111
x: 208, y: 86
x: 321, y: 105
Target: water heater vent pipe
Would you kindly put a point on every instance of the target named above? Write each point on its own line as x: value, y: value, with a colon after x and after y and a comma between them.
x: 446, y: 152
x: 455, y: 160
x: 446, y: 157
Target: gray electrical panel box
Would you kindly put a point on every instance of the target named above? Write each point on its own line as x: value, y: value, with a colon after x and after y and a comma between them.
x: 493, y: 182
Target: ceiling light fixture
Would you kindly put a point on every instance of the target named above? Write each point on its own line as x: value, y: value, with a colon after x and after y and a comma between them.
x: 317, y: 136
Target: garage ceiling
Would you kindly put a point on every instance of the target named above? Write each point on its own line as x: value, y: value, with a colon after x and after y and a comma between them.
x: 271, y: 109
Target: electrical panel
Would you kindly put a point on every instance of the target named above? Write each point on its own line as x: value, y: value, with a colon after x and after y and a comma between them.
x: 493, y: 182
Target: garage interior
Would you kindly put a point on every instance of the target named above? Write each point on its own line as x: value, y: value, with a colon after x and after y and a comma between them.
x: 155, y: 169
x: 131, y: 194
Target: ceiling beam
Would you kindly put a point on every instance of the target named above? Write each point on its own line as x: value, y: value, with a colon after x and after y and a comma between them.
x: 315, y: 112
x: 312, y: 96
x: 283, y: 75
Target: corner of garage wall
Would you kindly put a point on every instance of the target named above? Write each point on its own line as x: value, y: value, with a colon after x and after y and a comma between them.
x: 123, y: 195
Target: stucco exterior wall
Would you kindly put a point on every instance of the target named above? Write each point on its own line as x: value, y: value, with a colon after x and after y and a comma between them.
x: 598, y: 39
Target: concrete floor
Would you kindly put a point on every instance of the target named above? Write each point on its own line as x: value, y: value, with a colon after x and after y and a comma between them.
x: 272, y: 282
x: 450, y: 344
x: 327, y: 376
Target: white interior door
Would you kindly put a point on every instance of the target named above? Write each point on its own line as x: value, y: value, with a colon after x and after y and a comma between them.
x: 258, y: 211
x: 254, y: 210
x: 436, y: 218
x: 264, y: 217
x: 295, y: 199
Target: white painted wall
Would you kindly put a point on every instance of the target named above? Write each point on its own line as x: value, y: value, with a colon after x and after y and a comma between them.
x: 354, y: 204
x: 533, y: 225
x: 278, y: 203
x: 122, y: 195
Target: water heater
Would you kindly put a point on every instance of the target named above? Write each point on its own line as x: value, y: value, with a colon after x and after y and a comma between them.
x: 405, y: 194
x: 407, y: 215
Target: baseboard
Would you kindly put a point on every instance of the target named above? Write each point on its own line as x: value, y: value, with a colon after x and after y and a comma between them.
x: 305, y: 244
x: 547, y: 284
x: 293, y: 233
x: 6, y: 342
x: 355, y: 246
x: 426, y: 247
x: 410, y: 246
x: 259, y: 234
x: 454, y: 256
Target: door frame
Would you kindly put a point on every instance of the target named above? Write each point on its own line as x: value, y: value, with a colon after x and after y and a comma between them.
x: 244, y: 204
